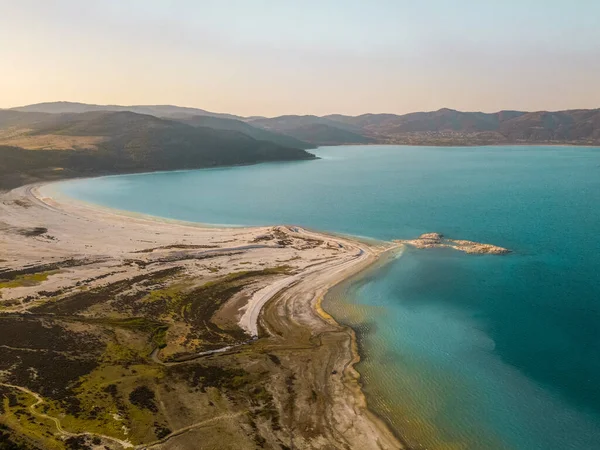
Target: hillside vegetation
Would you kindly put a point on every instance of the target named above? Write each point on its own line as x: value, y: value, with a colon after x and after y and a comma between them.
x: 52, y: 146
x: 314, y: 129
x: 262, y: 134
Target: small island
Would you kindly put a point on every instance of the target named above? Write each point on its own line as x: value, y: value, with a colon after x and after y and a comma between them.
x: 437, y: 240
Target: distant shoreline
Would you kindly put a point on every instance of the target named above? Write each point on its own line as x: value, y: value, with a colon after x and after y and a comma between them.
x: 58, y: 176
x: 592, y: 146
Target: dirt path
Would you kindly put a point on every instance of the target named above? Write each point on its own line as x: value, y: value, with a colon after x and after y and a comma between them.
x: 122, y: 443
x: 188, y: 428
x: 61, y: 430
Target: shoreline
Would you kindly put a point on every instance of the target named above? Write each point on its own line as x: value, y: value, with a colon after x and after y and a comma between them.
x: 115, y: 211
x: 356, y: 257
x: 345, y: 284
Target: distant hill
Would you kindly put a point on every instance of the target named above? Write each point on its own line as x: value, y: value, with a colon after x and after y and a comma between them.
x: 105, y: 142
x: 574, y: 125
x: 317, y: 130
x: 321, y: 134
x: 154, y: 110
x: 442, y: 127
x: 10, y: 118
x: 450, y: 127
x: 442, y: 120
x: 262, y: 134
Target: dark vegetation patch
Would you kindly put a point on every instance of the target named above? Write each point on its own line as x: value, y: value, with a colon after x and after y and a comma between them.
x: 96, y: 278
x: 8, y: 274
x: 8, y: 441
x: 77, y: 443
x: 117, y: 400
x: 161, y: 431
x: 112, y: 390
x: 274, y: 358
x: 282, y: 238
x: 159, y: 336
x: 32, y: 232
x: 157, y: 330
x: 260, y: 441
x: 176, y: 246
x: 81, y: 301
x: 44, y: 293
x: 285, y: 240
x: 42, y: 356
x: 143, y: 397
x: 7, y: 393
x: 131, y: 323
x: 198, y: 306
x: 263, y: 238
x: 43, y: 332
x: 202, y: 376
x: 51, y: 375
x: 236, y: 383
x: 23, y: 203
x: 180, y: 256
x: 262, y: 405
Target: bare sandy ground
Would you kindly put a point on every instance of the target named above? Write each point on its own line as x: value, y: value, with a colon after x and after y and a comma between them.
x: 83, y: 246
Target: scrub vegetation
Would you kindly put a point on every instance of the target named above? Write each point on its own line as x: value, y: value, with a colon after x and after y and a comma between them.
x: 91, y: 360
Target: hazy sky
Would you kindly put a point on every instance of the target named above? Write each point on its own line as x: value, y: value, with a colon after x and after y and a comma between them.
x: 271, y: 57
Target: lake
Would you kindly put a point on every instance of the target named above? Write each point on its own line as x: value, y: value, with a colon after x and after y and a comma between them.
x: 459, y: 351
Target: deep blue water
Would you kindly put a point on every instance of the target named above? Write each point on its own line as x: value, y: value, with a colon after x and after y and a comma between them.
x: 461, y: 351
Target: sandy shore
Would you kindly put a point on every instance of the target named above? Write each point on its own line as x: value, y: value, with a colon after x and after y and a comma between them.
x: 61, y: 246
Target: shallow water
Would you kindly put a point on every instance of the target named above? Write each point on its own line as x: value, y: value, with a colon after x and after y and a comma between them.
x: 461, y: 351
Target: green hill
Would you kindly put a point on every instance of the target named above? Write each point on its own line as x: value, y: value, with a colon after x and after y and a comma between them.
x: 313, y: 129
x: 122, y: 142
x: 220, y: 123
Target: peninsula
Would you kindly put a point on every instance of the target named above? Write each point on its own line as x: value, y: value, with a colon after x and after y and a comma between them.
x: 131, y: 332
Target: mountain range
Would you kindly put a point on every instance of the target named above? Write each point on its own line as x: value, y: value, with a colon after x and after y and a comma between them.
x: 442, y: 127
x: 77, y: 139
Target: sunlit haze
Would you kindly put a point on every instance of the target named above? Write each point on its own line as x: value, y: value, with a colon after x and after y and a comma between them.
x: 273, y: 57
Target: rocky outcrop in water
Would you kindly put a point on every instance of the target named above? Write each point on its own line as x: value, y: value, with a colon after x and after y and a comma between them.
x: 437, y: 240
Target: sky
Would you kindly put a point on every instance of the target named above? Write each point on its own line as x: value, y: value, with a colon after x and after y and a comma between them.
x: 274, y: 57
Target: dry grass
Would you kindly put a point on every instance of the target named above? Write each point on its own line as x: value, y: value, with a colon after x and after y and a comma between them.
x: 20, y: 137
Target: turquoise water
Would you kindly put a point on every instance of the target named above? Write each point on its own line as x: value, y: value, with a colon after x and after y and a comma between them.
x: 461, y: 351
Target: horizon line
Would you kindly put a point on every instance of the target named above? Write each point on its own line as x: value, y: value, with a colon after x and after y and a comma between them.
x: 298, y: 115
